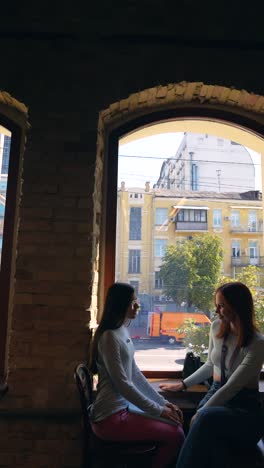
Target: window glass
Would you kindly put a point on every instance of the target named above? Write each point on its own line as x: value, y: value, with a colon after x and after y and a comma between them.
x: 180, y: 215
x: 158, y: 280
x: 5, y: 143
x: 135, y: 285
x: 161, y: 216
x: 199, y: 192
x: 135, y: 223
x: 236, y: 250
x: 191, y: 215
x: 235, y: 218
x: 203, y: 216
x: 134, y: 261
x: 217, y: 217
x: 160, y: 247
x: 252, y: 220
x: 253, y: 249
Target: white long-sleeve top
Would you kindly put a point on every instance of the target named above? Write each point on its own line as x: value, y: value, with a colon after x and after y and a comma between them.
x: 120, y: 381
x: 245, y: 369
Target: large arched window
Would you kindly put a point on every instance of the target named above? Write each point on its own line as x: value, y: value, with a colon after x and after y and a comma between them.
x: 10, y: 168
x: 228, y: 119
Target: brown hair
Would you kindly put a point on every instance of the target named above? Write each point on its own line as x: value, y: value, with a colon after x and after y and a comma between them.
x: 239, y: 298
x: 118, y: 298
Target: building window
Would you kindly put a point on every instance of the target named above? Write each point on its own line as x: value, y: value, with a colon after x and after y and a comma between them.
x: 217, y: 218
x: 136, y: 196
x: 134, y: 261
x: 161, y: 216
x: 160, y: 247
x: 252, y: 221
x: 158, y: 280
x: 195, y: 216
x: 135, y: 224
x: 236, y: 249
x: 6, y: 153
x: 253, y: 249
x: 135, y: 285
x: 235, y: 218
x: 10, y: 144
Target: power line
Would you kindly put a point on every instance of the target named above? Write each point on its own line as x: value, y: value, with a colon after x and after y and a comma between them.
x: 205, y: 184
x: 187, y: 160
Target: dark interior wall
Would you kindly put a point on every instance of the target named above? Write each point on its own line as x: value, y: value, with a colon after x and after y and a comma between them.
x: 66, y: 64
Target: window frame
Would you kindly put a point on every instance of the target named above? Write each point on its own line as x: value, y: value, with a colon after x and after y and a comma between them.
x: 160, y: 246
x: 116, y: 130
x: 236, y: 248
x: 158, y: 281
x: 217, y: 216
x: 159, y: 216
x: 134, y: 260
x: 135, y: 225
x: 235, y: 218
x: 8, y: 251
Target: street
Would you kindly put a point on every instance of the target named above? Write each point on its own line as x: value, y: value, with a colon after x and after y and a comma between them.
x: 153, y: 355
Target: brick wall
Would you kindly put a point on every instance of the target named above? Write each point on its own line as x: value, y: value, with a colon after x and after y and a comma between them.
x: 65, y: 82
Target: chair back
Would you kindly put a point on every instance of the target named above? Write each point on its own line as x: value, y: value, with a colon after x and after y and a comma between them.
x: 84, y: 381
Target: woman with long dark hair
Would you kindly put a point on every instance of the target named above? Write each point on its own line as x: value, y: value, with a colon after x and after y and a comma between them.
x: 122, y: 386
x: 231, y: 412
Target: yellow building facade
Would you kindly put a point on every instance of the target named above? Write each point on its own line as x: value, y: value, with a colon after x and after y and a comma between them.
x: 150, y: 219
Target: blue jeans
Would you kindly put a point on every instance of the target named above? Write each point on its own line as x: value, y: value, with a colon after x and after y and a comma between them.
x: 215, y: 430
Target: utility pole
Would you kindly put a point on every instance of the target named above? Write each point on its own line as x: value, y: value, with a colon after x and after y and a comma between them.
x: 218, y: 172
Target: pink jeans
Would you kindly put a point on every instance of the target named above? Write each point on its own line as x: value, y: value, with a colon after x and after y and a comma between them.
x: 125, y: 426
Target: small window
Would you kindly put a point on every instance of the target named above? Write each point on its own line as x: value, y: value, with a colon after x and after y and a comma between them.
x: 161, y: 216
x: 135, y: 285
x: 158, y: 281
x: 253, y: 249
x: 134, y: 261
x: 236, y: 249
x: 235, y: 218
x: 135, y: 223
x: 160, y: 247
x: 252, y: 221
x: 217, y: 220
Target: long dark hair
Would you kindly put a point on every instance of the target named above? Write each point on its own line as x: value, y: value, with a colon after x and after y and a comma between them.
x: 239, y: 298
x: 118, y: 298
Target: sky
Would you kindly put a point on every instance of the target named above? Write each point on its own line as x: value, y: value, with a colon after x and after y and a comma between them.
x: 155, y: 149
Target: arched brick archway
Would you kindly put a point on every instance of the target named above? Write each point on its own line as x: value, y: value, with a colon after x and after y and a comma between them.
x: 173, y: 101
x: 13, y: 116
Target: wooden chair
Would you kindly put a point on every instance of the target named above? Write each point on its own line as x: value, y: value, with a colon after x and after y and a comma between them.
x: 102, y: 453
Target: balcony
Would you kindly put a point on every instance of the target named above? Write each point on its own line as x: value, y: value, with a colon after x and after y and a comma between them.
x: 248, y: 228
x: 246, y: 260
x: 190, y: 226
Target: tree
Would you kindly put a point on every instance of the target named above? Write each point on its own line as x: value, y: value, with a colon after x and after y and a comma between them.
x: 195, y: 338
x: 250, y: 277
x: 191, y: 269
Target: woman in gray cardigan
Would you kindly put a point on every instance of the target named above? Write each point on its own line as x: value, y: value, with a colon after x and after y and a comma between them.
x: 127, y: 408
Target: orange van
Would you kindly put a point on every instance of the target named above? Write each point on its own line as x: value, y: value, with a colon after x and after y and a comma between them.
x: 166, y: 324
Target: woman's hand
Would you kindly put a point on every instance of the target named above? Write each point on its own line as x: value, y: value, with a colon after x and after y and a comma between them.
x: 177, y: 387
x: 176, y: 409
x: 172, y: 414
